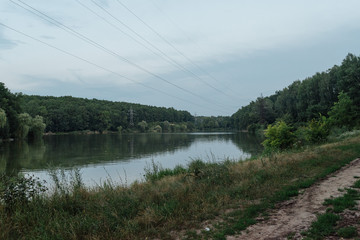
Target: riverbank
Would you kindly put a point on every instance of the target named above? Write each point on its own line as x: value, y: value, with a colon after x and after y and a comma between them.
x: 219, y: 198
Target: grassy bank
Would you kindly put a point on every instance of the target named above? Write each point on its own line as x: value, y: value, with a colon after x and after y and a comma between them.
x: 230, y: 194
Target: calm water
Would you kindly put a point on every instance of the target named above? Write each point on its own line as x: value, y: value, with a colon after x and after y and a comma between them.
x: 123, y: 158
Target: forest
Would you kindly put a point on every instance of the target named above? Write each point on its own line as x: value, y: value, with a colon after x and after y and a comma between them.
x: 21, y: 114
x: 296, y: 105
x: 68, y: 114
x: 303, y: 101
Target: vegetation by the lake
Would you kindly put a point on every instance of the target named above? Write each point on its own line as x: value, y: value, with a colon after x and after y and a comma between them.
x: 306, y: 113
x: 304, y: 100
x: 68, y: 114
x: 170, y: 201
x: 14, y: 123
x: 23, y: 116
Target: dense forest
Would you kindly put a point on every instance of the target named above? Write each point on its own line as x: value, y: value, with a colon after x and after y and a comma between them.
x: 20, y: 114
x: 297, y: 104
x: 305, y: 100
x: 68, y: 114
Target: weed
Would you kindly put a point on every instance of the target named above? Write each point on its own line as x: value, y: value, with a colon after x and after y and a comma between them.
x: 324, y: 226
x: 290, y: 236
x: 341, y: 203
x: 155, y: 171
x: 17, y: 191
x: 325, y: 223
x: 356, y: 184
x: 347, y: 232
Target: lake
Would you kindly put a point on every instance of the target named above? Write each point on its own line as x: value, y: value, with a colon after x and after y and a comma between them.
x: 121, y: 157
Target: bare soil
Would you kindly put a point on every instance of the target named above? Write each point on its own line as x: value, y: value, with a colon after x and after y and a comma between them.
x: 292, y: 217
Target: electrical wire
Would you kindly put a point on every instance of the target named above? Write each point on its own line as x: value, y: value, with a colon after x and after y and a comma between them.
x: 198, y: 47
x: 172, y: 61
x: 175, y: 48
x: 93, y: 43
x: 99, y: 66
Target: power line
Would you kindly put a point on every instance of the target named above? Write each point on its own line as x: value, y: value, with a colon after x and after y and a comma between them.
x: 163, y: 55
x: 197, y: 45
x: 172, y: 61
x: 168, y: 59
x: 91, y: 63
x: 176, y: 49
x: 100, y: 67
x: 116, y: 27
x: 88, y: 40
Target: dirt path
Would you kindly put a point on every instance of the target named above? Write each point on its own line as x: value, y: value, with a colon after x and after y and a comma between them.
x: 297, y: 214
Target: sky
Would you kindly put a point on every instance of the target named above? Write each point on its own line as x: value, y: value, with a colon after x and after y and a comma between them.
x: 208, y: 57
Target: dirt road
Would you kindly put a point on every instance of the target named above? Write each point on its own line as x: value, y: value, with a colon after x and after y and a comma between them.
x: 296, y: 215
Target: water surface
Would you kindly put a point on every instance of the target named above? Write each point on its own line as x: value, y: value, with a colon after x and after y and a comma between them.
x: 124, y: 157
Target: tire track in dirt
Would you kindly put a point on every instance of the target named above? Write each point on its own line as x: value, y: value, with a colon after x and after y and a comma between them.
x: 296, y: 215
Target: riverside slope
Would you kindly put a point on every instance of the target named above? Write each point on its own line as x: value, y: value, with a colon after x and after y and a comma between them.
x: 296, y: 215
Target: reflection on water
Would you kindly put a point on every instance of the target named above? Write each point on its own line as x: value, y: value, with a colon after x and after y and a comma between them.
x: 121, y: 156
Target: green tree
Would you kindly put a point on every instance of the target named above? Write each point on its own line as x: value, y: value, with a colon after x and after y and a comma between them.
x: 3, y: 118
x: 342, y: 113
x: 37, y: 127
x: 165, y: 126
x: 10, y: 103
x: 103, y: 121
x: 25, y: 122
x: 157, y: 129
x: 143, y: 126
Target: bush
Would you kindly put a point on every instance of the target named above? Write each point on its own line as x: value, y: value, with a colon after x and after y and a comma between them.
x: 279, y: 136
x: 17, y: 191
x: 317, y: 130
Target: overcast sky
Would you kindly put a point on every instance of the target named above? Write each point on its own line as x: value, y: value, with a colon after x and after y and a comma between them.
x: 209, y: 57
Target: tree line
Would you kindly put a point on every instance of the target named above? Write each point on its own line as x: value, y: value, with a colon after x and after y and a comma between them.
x: 68, y: 114
x: 305, y: 100
x: 23, y: 116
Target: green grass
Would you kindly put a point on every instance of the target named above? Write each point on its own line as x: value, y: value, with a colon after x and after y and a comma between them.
x: 345, y: 202
x: 347, y: 232
x: 173, y: 200
x: 325, y: 224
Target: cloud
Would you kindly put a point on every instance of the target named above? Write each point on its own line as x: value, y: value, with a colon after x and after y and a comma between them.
x: 48, y: 37
x: 6, y: 43
x: 104, y: 3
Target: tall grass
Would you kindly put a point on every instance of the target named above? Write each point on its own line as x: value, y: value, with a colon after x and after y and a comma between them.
x: 173, y: 200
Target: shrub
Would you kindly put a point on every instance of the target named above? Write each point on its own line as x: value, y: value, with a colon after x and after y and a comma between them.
x: 17, y: 191
x: 317, y: 130
x: 279, y: 136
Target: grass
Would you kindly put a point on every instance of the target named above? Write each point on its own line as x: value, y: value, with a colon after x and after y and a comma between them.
x: 347, y: 232
x: 173, y: 200
x: 324, y: 226
x: 326, y: 223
